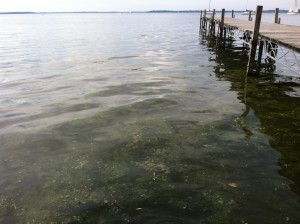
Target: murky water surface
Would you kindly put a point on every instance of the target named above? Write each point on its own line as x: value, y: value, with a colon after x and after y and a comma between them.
x: 134, y: 118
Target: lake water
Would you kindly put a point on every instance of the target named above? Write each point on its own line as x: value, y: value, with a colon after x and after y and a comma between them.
x: 134, y: 118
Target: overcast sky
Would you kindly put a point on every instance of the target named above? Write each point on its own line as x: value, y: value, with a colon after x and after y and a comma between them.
x: 136, y: 5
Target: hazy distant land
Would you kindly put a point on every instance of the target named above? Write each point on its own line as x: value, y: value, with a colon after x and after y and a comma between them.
x: 152, y: 11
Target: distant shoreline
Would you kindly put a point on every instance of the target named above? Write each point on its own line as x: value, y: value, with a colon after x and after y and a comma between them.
x: 152, y: 11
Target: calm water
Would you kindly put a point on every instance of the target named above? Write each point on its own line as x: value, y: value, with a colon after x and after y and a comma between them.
x: 134, y: 118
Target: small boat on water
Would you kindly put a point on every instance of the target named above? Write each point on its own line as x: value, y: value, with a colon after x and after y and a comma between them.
x: 247, y: 12
x: 209, y: 12
x: 293, y: 11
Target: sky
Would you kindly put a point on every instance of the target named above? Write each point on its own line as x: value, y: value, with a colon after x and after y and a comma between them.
x: 136, y: 5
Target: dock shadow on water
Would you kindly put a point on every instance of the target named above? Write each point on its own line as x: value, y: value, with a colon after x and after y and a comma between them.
x: 201, y: 145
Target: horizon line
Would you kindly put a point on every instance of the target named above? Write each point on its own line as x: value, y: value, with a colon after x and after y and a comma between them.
x: 135, y: 11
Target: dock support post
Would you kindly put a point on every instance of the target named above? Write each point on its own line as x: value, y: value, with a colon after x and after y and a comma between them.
x: 212, y: 22
x: 276, y: 15
x: 213, y: 15
x: 205, y: 20
x: 224, y: 38
x: 249, y: 17
x: 200, y: 21
x: 232, y: 14
x: 251, y: 60
x: 260, y: 52
x: 222, y: 24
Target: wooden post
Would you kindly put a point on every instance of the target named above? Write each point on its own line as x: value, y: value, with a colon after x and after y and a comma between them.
x: 260, y: 51
x: 232, y: 14
x: 222, y: 23
x: 249, y: 17
x: 224, y: 38
x: 204, y: 19
x: 279, y: 20
x: 212, y: 23
x: 200, y: 20
x: 276, y: 15
x: 251, y: 60
x: 213, y: 15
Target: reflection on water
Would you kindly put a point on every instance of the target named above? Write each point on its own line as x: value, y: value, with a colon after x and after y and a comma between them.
x: 146, y: 126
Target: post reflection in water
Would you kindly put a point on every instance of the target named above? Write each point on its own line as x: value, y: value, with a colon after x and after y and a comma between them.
x: 272, y: 98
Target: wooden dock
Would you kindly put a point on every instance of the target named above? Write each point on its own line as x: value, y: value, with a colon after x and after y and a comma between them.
x: 286, y: 35
x: 271, y: 38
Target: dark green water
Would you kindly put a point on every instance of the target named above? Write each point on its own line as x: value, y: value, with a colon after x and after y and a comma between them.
x: 165, y: 128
